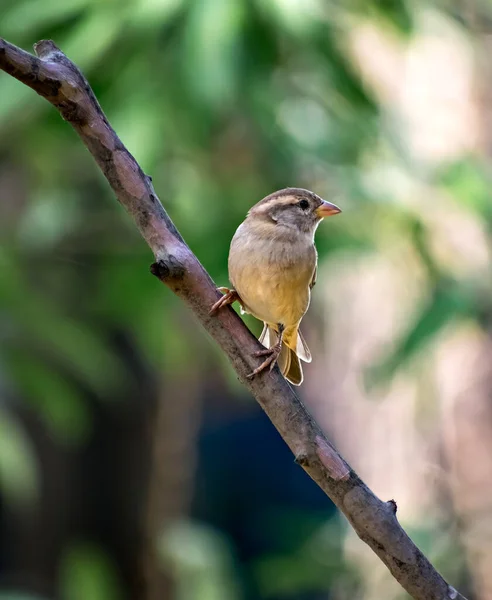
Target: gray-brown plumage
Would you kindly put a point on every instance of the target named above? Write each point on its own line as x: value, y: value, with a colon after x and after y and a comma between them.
x: 272, y: 268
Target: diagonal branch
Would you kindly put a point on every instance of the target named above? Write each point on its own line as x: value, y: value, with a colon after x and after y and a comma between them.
x: 52, y: 75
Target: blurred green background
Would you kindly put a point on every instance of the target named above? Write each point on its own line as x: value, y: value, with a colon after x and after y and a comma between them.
x: 132, y: 464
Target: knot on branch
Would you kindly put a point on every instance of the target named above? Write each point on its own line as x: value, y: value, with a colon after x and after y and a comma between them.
x: 169, y: 268
x: 47, y: 49
x: 302, y: 459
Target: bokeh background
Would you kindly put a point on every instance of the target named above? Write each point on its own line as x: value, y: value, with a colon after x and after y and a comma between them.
x: 132, y: 464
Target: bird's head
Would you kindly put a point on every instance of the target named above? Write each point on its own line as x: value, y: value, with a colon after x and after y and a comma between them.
x: 295, y: 208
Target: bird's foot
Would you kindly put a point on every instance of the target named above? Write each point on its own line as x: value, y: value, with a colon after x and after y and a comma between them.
x: 229, y: 297
x: 270, y: 360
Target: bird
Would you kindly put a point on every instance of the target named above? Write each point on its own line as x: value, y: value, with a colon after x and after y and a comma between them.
x: 272, y: 269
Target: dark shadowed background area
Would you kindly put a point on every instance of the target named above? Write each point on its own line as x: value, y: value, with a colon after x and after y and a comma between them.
x: 132, y: 464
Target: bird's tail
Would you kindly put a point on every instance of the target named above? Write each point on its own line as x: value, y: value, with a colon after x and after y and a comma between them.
x: 288, y: 360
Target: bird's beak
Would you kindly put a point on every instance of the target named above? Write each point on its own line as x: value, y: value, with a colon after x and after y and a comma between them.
x: 327, y: 209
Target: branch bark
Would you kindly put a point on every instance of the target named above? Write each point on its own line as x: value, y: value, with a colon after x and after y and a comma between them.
x: 53, y: 76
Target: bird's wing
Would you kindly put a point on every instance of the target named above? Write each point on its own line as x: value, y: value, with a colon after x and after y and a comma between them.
x: 315, y: 275
x: 302, y: 349
x: 265, y: 336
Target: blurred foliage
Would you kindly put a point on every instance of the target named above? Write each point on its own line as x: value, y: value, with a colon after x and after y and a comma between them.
x: 318, y: 564
x: 202, y: 560
x: 222, y: 102
x: 86, y: 572
x: 18, y: 469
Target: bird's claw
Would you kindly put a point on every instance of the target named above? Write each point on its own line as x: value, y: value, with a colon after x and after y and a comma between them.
x: 229, y: 297
x: 264, y: 352
x: 270, y: 361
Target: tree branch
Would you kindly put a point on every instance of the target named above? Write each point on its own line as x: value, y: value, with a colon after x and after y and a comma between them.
x: 52, y: 75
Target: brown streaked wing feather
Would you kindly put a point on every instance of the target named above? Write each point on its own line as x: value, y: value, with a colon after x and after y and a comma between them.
x: 302, y: 349
x: 294, y: 371
x: 315, y: 276
x: 284, y: 360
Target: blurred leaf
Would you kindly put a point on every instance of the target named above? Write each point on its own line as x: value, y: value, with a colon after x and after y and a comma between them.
x: 151, y: 12
x: 396, y: 12
x: 202, y: 559
x: 23, y: 19
x: 15, y: 95
x: 469, y: 183
x: 19, y: 476
x: 58, y: 401
x: 78, y: 348
x: 212, y: 50
x: 140, y: 115
x: 449, y: 302
x: 101, y: 26
x: 317, y: 564
x: 50, y: 216
x: 299, y: 18
x: 87, y: 572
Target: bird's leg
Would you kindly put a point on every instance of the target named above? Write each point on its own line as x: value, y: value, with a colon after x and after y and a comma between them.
x: 270, y: 353
x: 229, y: 297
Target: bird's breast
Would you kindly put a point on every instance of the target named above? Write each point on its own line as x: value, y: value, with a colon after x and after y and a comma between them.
x: 272, y: 274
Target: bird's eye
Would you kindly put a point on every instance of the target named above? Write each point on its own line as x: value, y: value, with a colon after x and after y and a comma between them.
x: 303, y: 204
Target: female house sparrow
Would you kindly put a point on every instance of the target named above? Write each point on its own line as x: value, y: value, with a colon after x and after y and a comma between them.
x: 272, y: 268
